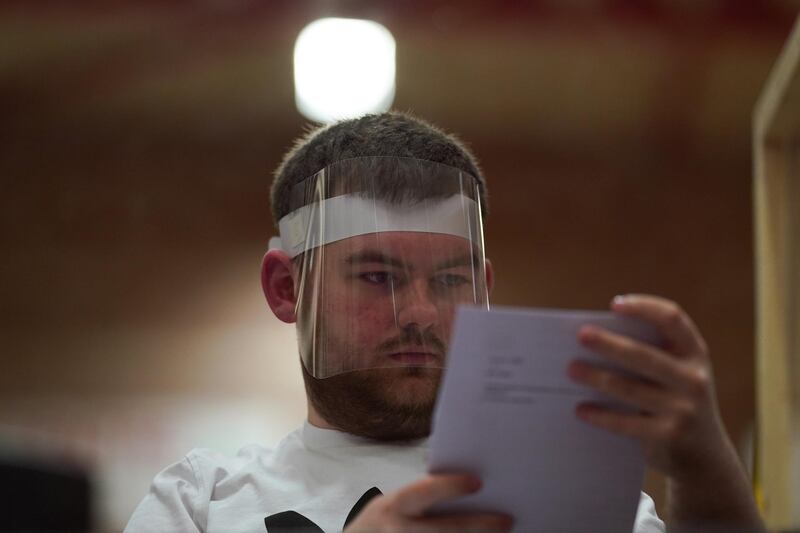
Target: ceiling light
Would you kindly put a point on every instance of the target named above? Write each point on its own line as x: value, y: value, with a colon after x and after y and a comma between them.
x: 343, y: 68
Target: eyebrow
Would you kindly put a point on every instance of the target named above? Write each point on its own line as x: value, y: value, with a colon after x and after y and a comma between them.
x: 371, y: 256
x: 464, y: 260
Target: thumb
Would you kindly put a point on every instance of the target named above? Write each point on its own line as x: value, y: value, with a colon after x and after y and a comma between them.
x: 414, y: 499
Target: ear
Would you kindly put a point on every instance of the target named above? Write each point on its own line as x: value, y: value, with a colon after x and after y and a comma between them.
x: 489, y: 276
x: 277, y: 282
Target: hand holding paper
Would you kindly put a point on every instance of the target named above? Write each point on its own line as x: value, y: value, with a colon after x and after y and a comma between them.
x: 506, y: 413
x: 676, y: 418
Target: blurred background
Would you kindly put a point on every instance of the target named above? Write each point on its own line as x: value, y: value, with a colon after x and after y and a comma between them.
x: 137, y: 141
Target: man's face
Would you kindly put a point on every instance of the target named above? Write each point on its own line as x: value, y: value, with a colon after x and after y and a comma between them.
x: 376, y: 315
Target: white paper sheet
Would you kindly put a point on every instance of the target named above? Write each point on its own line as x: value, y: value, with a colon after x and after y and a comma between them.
x: 506, y: 412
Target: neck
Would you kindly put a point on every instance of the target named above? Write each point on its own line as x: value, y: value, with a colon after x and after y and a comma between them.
x: 316, y: 419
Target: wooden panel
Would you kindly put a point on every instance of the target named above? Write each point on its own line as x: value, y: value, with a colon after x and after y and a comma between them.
x: 777, y: 223
x: 777, y: 117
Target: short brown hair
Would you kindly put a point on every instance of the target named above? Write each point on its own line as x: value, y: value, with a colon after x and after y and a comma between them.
x: 385, y: 134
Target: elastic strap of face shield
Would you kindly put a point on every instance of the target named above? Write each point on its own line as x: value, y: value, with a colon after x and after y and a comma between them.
x: 349, y: 215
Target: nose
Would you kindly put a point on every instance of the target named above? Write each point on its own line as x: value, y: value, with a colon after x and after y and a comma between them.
x: 415, y: 307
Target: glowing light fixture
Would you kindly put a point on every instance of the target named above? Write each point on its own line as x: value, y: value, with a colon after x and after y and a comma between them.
x: 343, y: 68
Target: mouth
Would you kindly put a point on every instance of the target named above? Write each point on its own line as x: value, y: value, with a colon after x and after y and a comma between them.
x: 415, y: 357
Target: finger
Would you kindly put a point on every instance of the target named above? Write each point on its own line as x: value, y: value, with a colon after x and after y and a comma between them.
x: 636, y: 425
x: 632, y: 391
x: 635, y: 356
x: 414, y: 499
x: 667, y: 316
x: 457, y: 523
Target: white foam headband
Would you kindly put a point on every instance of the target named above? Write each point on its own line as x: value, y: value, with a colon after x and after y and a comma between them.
x: 350, y: 215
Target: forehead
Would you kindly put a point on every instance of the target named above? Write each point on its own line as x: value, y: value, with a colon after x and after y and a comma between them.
x: 406, y: 246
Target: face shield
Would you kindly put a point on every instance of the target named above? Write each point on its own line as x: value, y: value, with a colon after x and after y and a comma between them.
x: 384, y: 250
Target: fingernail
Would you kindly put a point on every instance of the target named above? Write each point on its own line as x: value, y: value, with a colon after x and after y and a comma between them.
x: 587, y: 334
x: 574, y: 370
x: 619, y: 300
x: 583, y: 410
x: 474, y: 484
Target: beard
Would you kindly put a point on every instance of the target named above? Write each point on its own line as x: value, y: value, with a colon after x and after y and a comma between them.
x: 387, y: 404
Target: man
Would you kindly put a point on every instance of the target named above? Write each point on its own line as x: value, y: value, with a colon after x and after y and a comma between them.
x: 381, y: 239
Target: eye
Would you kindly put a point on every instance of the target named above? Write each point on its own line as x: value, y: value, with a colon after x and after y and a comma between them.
x: 377, y: 278
x: 450, y: 280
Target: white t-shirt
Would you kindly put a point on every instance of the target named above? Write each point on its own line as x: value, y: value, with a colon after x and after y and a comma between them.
x: 315, y: 478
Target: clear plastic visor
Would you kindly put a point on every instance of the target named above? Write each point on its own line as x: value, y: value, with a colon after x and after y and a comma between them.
x: 384, y: 249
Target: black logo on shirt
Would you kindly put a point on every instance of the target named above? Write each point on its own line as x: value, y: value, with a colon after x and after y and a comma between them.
x: 294, y: 522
